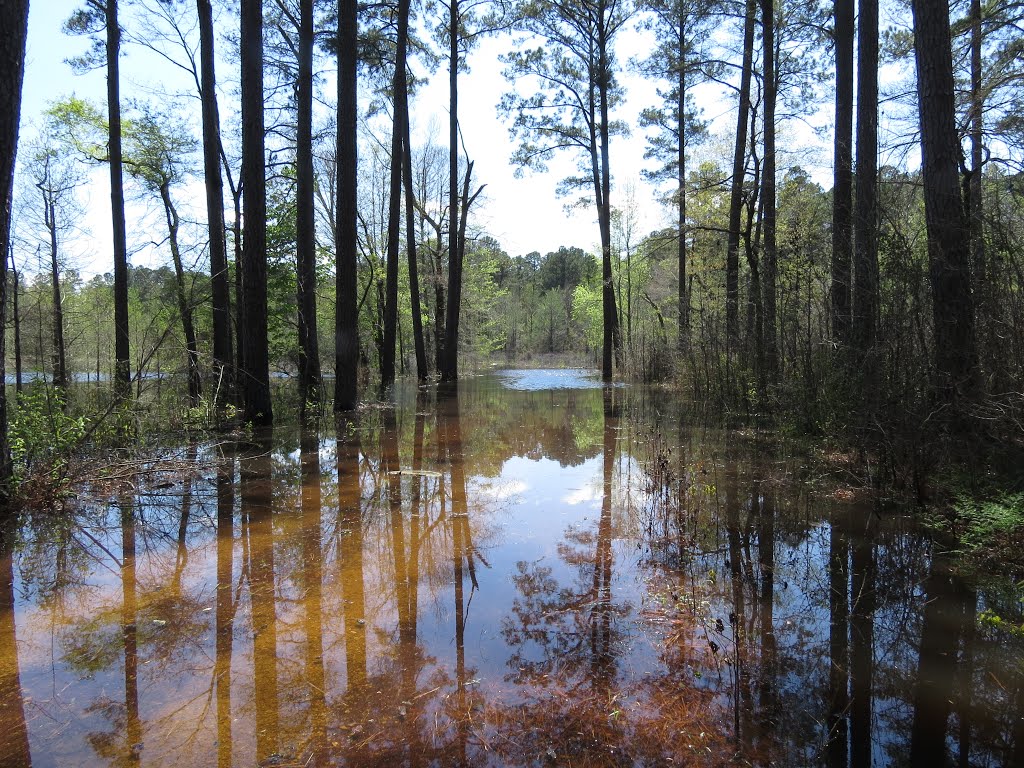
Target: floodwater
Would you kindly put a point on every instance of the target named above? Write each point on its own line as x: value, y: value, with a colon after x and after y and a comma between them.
x: 537, y: 571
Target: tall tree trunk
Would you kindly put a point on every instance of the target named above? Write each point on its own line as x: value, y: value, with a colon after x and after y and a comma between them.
x: 195, y: 380
x: 683, y: 298
x: 611, y: 340
x: 122, y: 358
x: 976, y: 207
x: 842, y: 180
x: 398, y: 90
x: 256, y: 371
x: 60, y: 370
x: 865, y: 279
x: 305, y: 224
x: 732, y: 260
x: 410, y: 241
x: 346, y: 329
x: 450, y: 358
x: 222, y: 348
x: 14, y: 22
x: 956, y: 361
x: 236, y: 229
x: 771, y: 351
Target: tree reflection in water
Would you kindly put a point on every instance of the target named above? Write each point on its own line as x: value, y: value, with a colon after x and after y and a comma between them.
x: 14, y: 746
x: 257, y: 514
x: 225, y: 602
x: 497, y: 577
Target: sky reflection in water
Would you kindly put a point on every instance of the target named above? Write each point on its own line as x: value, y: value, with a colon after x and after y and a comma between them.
x: 539, y: 571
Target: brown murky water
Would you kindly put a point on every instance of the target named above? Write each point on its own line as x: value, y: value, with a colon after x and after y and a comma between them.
x: 537, y: 571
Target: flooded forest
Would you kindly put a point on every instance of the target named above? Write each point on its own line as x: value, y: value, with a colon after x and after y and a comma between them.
x: 583, y: 383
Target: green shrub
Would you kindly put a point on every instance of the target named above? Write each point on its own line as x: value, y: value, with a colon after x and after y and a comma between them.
x: 989, y: 522
x: 43, y: 437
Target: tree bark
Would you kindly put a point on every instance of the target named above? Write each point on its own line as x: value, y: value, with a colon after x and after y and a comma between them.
x: 60, y: 369
x: 450, y: 357
x: 222, y: 347
x: 974, y: 188
x: 683, y: 299
x: 305, y: 225
x: 732, y: 261
x: 842, y: 180
x: 611, y: 341
x: 122, y: 357
x: 768, y: 216
x: 865, y: 280
x: 956, y: 360
x: 14, y: 22
x: 346, y: 329
x: 410, y: 241
x: 387, y: 363
x: 255, y: 358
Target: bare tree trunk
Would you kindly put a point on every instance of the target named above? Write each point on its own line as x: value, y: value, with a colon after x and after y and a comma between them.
x: 122, y: 357
x: 60, y: 371
x: 732, y: 261
x: 865, y: 280
x: 305, y: 225
x: 976, y: 206
x: 842, y: 185
x: 410, y: 237
x: 256, y: 372
x: 771, y: 351
x: 236, y: 229
x: 387, y: 362
x: 683, y: 298
x: 450, y: 357
x: 222, y: 348
x: 611, y: 340
x: 14, y: 22
x: 956, y: 361
x: 346, y: 330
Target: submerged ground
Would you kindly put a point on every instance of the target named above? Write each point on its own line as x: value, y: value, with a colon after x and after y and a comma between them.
x: 535, y: 571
